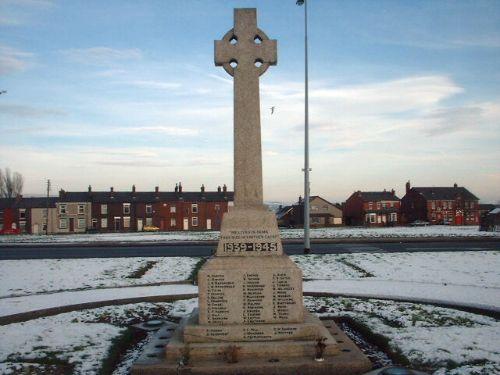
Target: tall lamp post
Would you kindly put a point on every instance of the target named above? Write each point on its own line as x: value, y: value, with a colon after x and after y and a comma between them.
x: 307, y: 240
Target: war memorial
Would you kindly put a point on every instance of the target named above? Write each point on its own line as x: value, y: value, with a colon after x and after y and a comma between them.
x: 251, y: 318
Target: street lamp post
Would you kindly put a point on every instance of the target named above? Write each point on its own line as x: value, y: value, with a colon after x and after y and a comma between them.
x: 307, y: 240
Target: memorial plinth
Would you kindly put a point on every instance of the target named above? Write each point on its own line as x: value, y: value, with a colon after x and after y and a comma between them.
x: 250, y: 292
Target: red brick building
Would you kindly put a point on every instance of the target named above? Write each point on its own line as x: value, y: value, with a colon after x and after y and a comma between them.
x: 440, y: 205
x: 119, y: 211
x: 372, y: 208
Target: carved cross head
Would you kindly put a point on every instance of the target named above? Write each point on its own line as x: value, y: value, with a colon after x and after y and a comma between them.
x: 245, y: 48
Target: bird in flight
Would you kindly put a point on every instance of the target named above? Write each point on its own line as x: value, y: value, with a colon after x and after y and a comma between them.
x: 272, y: 110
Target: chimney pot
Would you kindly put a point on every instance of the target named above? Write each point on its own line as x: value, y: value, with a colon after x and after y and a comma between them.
x: 202, y: 188
x: 176, y: 188
x: 393, y: 192
x: 219, y: 189
x: 408, y: 186
x: 455, y: 185
x: 180, y: 187
x: 111, y: 189
x: 157, y: 189
x: 224, y: 188
x: 90, y: 188
x: 133, y: 188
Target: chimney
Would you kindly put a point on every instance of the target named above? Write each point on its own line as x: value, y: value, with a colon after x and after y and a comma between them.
x: 133, y: 188
x: 180, y: 187
x: 90, y: 189
x: 219, y: 189
x: 176, y: 188
x: 224, y: 188
x: 111, y: 189
x: 393, y: 192
x: 455, y: 185
x: 385, y: 190
x: 157, y: 189
x: 202, y: 188
x: 408, y: 187
x: 300, y: 199
x: 62, y: 193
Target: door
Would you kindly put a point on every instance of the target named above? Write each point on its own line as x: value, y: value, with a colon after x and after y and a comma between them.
x: 185, y: 225
x: 139, y: 225
x: 35, y: 229
x: 117, y: 224
x: 209, y: 224
x: 71, y: 225
x: 459, y: 218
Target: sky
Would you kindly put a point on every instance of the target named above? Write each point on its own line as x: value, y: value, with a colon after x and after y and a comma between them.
x: 116, y: 93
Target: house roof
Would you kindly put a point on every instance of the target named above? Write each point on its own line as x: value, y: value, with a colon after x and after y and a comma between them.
x: 28, y: 202
x: 145, y: 196
x: 376, y: 196
x: 445, y: 193
x: 283, y: 211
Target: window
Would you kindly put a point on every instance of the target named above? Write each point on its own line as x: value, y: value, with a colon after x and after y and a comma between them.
x: 63, y: 223
x: 471, y: 204
x: 433, y: 205
x: 378, y: 205
x: 316, y: 220
x: 22, y: 213
x: 81, y: 223
x: 81, y: 209
x: 194, y: 221
x: 217, y: 207
x: 370, y: 205
x: 194, y: 208
x: 384, y: 205
x: 104, y: 222
x: 172, y: 222
x: 94, y: 223
x: 394, y: 216
x: 373, y: 218
x: 62, y: 209
x: 149, y: 208
x: 44, y: 212
x: 104, y: 209
x: 22, y: 226
x: 126, y: 221
x: 149, y: 221
x: 172, y: 209
x: 126, y: 208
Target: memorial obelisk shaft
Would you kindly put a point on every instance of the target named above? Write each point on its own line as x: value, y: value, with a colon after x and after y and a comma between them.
x: 246, y: 52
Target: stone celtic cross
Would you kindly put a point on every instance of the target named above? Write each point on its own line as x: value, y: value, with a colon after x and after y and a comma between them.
x: 245, y: 52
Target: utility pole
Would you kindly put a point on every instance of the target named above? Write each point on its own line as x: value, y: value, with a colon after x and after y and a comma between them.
x: 47, y: 212
x: 307, y: 190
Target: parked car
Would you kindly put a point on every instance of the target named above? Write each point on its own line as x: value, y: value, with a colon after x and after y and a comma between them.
x: 419, y: 223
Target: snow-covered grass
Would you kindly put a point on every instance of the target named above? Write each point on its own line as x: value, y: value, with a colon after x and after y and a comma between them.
x: 444, y: 341
x: 479, y: 268
x: 20, y: 277
x: 332, y: 233
x: 79, y: 340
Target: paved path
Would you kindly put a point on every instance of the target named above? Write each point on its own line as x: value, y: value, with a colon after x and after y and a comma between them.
x: 204, y: 249
x: 472, y: 297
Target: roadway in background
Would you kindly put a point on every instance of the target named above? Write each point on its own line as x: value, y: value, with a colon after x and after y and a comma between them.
x: 190, y: 249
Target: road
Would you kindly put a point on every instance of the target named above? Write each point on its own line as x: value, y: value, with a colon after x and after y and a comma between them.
x: 204, y: 249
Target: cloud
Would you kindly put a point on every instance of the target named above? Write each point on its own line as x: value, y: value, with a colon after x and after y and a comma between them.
x: 168, y: 130
x: 101, y: 55
x: 153, y: 84
x: 18, y: 110
x: 449, y: 120
x: 13, y: 60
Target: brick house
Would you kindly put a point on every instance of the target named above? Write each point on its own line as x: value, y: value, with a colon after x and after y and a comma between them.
x: 322, y: 213
x: 372, y: 208
x: 73, y: 212
x: 440, y: 205
x: 27, y: 215
x: 168, y: 211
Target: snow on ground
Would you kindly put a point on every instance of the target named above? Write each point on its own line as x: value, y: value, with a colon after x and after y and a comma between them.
x: 480, y: 268
x: 19, y: 277
x: 442, y: 340
x: 80, y: 339
x: 334, y: 233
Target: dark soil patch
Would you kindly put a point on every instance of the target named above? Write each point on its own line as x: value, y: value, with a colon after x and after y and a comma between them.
x: 141, y: 271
